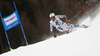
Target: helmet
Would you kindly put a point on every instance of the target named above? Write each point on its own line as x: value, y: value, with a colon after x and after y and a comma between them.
x: 51, y: 15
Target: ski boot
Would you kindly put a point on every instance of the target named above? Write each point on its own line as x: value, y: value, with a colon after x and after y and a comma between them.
x: 84, y: 26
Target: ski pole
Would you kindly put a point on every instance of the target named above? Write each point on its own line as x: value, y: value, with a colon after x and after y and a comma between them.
x: 79, y: 12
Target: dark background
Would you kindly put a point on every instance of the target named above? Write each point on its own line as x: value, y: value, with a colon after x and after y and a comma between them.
x: 34, y: 15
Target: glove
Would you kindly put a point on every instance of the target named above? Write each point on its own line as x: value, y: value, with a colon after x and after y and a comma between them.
x: 67, y: 21
x: 54, y: 35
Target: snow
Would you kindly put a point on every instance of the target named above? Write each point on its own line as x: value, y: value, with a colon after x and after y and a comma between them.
x: 82, y: 42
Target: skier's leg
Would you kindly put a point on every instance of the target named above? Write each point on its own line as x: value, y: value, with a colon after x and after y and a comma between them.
x: 76, y: 25
x: 67, y: 27
x: 81, y: 26
x: 61, y: 29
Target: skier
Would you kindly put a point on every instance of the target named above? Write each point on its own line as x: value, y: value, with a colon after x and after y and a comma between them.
x: 60, y: 25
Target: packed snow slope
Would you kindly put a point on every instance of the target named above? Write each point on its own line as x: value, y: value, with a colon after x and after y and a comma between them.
x: 81, y: 42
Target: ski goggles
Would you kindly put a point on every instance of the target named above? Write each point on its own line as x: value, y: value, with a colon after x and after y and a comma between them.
x: 53, y: 17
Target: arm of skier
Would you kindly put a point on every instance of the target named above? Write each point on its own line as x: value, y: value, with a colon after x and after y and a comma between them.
x: 51, y: 31
x: 63, y: 16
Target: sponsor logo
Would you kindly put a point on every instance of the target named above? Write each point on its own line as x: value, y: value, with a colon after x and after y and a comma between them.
x: 59, y: 16
x: 10, y: 19
x: 12, y: 25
